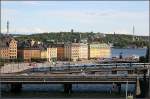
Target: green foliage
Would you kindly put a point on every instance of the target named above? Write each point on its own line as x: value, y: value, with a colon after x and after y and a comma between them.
x: 119, y: 40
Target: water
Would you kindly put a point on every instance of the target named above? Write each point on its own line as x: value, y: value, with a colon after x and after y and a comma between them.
x: 79, y: 90
x: 128, y: 52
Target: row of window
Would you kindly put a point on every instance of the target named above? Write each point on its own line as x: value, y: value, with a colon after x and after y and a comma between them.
x: 13, y: 56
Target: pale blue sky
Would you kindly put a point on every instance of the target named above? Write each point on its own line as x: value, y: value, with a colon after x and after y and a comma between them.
x: 84, y: 16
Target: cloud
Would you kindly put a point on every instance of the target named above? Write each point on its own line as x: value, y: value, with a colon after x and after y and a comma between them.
x: 86, y: 14
x: 30, y: 3
x: 8, y: 11
x: 83, y: 19
x: 91, y: 17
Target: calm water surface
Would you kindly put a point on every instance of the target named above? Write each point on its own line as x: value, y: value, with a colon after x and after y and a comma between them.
x: 128, y: 52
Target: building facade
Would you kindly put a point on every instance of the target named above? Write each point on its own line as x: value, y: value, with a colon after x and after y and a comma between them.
x: 83, y: 51
x: 13, y: 49
x: 60, y: 51
x: 29, y: 53
x: 71, y: 51
x: 51, y: 54
x: 4, y: 53
x: 8, y: 47
x: 105, y: 51
x: 43, y: 54
x: 99, y: 50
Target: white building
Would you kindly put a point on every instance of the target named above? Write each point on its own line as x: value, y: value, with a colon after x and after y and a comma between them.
x: 71, y: 51
x: 51, y: 54
x: 83, y: 51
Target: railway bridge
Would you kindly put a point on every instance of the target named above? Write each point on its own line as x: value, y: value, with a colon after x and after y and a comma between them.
x: 138, y: 75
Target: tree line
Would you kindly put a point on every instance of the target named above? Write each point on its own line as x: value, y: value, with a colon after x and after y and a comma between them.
x: 118, y: 40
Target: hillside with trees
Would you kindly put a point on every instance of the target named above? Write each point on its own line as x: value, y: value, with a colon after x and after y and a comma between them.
x: 117, y: 40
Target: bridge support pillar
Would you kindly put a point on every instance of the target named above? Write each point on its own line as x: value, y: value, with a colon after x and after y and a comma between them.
x: 16, y: 87
x: 143, y: 89
x: 68, y: 88
x: 119, y: 87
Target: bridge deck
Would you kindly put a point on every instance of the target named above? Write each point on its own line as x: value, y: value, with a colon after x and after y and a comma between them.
x: 68, y: 79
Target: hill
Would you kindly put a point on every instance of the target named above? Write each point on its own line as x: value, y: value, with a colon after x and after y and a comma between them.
x: 118, y: 40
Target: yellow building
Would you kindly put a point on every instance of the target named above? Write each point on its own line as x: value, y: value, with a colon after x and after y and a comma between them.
x: 99, y: 50
x: 71, y: 51
x: 35, y: 53
x: 43, y: 54
x: 105, y: 51
x: 83, y: 51
x: 51, y: 54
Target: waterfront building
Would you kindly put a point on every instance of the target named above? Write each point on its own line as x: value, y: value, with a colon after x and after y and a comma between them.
x: 60, y: 51
x: 8, y: 47
x: 105, y: 50
x: 99, y: 50
x: 52, y: 53
x: 36, y: 53
x: 29, y: 53
x: 83, y: 51
x: 12, y: 48
x: 4, y: 53
x: 71, y: 51
x: 31, y: 49
x: 43, y: 54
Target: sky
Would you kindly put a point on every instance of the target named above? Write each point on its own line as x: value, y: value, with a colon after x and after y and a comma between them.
x: 27, y: 17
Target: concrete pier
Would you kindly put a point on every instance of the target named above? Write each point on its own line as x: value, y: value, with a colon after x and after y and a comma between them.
x: 68, y: 88
x: 143, y: 88
x: 16, y: 87
x: 119, y: 87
